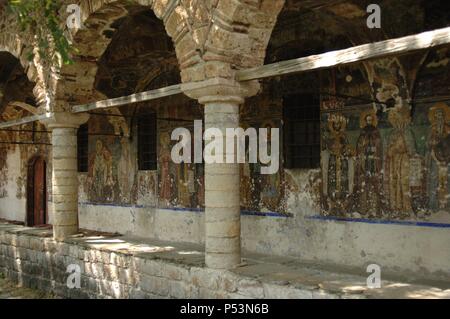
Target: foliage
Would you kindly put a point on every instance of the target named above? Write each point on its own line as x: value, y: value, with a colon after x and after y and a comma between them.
x: 40, y: 18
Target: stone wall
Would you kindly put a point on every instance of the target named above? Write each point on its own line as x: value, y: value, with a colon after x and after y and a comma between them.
x: 293, y: 220
x: 414, y: 249
x: 291, y: 213
x: 32, y: 259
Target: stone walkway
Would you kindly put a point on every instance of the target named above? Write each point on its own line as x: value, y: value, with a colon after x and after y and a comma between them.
x: 10, y: 291
x: 259, y: 276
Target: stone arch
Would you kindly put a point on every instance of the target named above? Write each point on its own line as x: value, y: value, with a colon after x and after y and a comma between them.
x: 211, y: 38
x: 12, y: 41
x: 76, y: 82
x: 15, y: 85
x: 236, y: 38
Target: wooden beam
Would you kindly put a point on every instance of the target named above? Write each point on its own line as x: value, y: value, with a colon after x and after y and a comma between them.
x: 27, y: 107
x: 327, y: 60
x: 130, y: 99
x: 24, y: 120
x: 351, y: 55
x: 25, y: 143
x: 314, y: 62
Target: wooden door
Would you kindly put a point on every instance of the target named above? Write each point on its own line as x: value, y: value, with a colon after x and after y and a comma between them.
x: 39, y: 193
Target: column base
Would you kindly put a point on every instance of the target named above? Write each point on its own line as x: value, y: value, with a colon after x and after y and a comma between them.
x: 62, y: 232
x: 222, y: 261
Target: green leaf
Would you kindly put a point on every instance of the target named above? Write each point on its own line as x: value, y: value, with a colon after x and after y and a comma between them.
x: 40, y: 18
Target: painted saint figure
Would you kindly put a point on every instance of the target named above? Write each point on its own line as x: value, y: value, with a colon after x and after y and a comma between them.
x: 401, y: 149
x: 165, y: 190
x: 125, y: 169
x: 369, y: 165
x: 339, y: 166
x: 270, y: 193
x: 245, y: 177
x: 438, y: 160
x: 101, y: 175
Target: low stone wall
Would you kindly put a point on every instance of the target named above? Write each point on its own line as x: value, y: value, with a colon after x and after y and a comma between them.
x: 405, y: 248
x: 32, y: 260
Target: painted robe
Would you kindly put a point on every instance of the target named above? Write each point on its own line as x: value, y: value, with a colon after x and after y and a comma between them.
x: 165, y: 191
x: 369, y: 172
x: 438, y: 164
x: 338, y: 172
x: 400, y: 150
x: 101, y: 175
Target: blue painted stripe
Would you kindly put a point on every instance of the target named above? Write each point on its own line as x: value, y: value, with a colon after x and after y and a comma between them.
x: 111, y: 205
x: 183, y: 210
x: 264, y: 214
x: 281, y: 215
x: 379, y: 221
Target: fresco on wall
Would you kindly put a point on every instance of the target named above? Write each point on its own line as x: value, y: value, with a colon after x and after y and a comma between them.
x: 3, y: 172
x: 383, y: 156
x: 438, y: 158
x: 432, y: 88
x: 400, y: 163
x: 388, y: 161
x: 8, y: 114
x: 112, y: 174
x: 26, y: 151
x: 179, y: 185
x: 259, y: 192
x: 369, y: 167
x: 337, y: 164
x: 347, y: 86
x: 389, y: 83
x: 100, y: 178
x: 167, y: 187
x: 434, y: 76
x: 377, y: 172
x: 146, y: 191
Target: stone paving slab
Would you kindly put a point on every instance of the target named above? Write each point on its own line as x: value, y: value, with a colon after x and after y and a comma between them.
x: 333, y: 279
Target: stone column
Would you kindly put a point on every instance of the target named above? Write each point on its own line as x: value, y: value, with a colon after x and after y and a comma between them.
x: 64, y: 128
x: 221, y: 99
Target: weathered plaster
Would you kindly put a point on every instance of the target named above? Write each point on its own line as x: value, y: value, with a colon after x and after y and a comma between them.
x: 293, y: 207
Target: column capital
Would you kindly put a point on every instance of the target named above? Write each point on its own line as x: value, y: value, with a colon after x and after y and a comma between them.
x: 219, y: 90
x: 65, y: 120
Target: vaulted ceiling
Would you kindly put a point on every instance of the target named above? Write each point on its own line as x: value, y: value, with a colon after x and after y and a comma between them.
x: 139, y: 54
x: 14, y: 84
x: 316, y: 26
